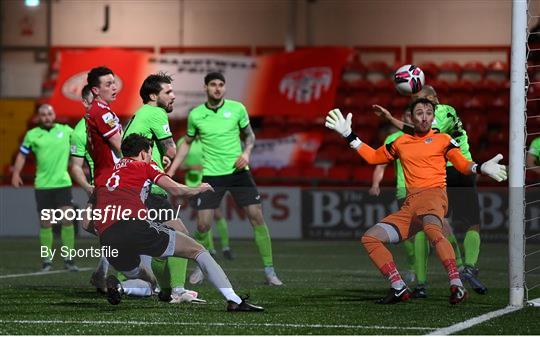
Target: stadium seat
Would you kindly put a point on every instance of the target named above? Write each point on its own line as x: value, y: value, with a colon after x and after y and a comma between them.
x: 449, y: 72
x: 377, y: 71
x: 363, y: 174
x: 342, y: 173
x: 353, y: 72
x: 430, y: 69
x: 473, y: 71
x: 497, y: 71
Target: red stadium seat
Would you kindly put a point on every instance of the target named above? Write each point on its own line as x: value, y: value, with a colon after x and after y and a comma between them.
x: 430, y: 69
x: 314, y: 172
x: 449, y: 72
x: 363, y: 174
x: 340, y: 173
x: 377, y: 71
x: 497, y: 71
x: 473, y: 71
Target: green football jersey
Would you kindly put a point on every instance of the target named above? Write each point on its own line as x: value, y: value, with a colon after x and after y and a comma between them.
x: 401, y: 190
x: 534, y: 149
x: 51, y: 149
x: 78, y: 146
x: 152, y: 123
x: 447, y: 121
x: 219, y: 130
x: 193, y: 178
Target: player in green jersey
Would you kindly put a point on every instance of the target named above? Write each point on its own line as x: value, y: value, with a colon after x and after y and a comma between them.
x: 50, y: 144
x: 152, y: 122
x: 218, y: 123
x: 464, y: 207
x: 192, y: 166
x: 533, y: 156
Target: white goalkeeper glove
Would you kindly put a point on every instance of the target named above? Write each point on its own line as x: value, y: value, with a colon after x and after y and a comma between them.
x: 493, y: 169
x: 336, y: 122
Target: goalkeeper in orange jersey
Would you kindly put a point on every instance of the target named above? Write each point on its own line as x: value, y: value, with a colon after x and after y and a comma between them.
x: 423, y: 156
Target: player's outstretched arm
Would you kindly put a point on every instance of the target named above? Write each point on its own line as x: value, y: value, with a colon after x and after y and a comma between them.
x: 181, y: 153
x: 336, y: 122
x: 491, y: 168
x: 77, y: 173
x: 179, y: 190
x: 16, y: 179
x: 386, y: 115
x: 378, y: 175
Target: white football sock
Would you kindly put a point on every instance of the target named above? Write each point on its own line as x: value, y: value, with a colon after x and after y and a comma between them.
x: 137, y: 287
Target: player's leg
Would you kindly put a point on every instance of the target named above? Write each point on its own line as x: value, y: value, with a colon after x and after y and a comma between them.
x: 43, y: 201
x: 223, y: 230
x: 175, y: 267
x: 392, y: 229
x: 205, y: 204
x: 245, y: 194
x: 421, y: 252
x: 409, y: 274
x: 204, y: 221
x: 431, y: 207
x: 449, y: 234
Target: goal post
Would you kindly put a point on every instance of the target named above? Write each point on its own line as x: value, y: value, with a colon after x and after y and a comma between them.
x: 516, y: 181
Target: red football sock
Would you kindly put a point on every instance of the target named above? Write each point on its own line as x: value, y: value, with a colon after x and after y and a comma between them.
x: 382, y: 258
x: 445, y: 252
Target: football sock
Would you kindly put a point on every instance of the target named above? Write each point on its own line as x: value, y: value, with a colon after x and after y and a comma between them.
x: 137, y: 287
x: 216, y: 276
x: 471, y: 245
x: 264, y: 244
x: 444, y: 251
x: 408, y: 245
x: 46, y: 240
x: 210, y: 241
x: 421, y: 251
x: 202, y: 238
x: 453, y: 241
x: 163, y: 278
x: 177, y: 270
x: 223, y: 230
x: 67, y: 233
x: 383, y: 260
x: 121, y: 277
x: 103, y: 266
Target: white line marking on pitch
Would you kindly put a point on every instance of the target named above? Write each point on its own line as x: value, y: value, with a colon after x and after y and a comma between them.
x: 285, y: 325
x: 473, y: 321
x: 42, y: 273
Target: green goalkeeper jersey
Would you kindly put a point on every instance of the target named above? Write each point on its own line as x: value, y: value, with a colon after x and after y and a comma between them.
x: 151, y: 122
x: 401, y: 191
x: 447, y: 121
x: 219, y: 130
x: 534, y: 149
x: 193, y: 178
x: 78, y: 146
x: 51, y: 148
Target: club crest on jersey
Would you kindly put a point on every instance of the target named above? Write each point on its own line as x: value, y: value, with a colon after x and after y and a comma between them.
x: 155, y: 167
x: 429, y: 140
x: 167, y: 128
x: 60, y: 134
x: 227, y: 114
x: 73, y: 149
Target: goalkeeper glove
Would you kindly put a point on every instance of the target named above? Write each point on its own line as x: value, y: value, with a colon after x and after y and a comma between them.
x: 336, y: 122
x: 492, y: 168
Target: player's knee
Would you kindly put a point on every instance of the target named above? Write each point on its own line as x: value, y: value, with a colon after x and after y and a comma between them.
x: 434, y: 233
x: 475, y: 228
x: 370, y: 243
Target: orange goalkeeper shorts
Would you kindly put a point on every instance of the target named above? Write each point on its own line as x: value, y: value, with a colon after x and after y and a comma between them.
x: 408, y: 220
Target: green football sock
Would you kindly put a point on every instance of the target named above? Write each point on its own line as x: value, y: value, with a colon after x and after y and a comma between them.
x: 162, y: 276
x: 202, y: 238
x: 67, y: 233
x: 471, y: 244
x: 177, y: 267
x: 210, y: 241
x: 409, y: 251
x: 223, y: 230
x: 453, y: 241
x: 46, y: 240
x: 121, y: 277
x: 264, y: 244
x: 421, y: 251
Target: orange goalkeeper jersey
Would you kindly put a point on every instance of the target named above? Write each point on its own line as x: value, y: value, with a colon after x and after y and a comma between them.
x: 423, y: 158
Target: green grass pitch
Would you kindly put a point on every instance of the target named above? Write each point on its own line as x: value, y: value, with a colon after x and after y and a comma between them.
x: 330, y: 288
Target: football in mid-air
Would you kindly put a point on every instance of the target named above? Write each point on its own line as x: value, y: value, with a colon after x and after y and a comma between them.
x: 409, y: 79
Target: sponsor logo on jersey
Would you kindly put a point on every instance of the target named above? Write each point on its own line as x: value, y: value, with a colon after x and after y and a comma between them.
x: 73, y: 86
x: 167, y: 128
x: 60, y: 134
x: 109, y: 119
x: 227, y: 114
x: 73, y: 149
x: 306, y: 85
